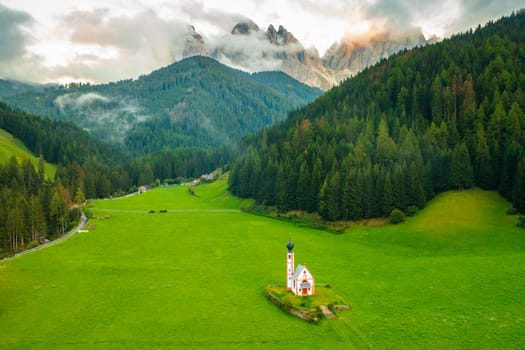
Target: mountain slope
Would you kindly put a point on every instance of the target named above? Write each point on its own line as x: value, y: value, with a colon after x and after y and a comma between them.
x: 284, y: 84
x: 11, y: 87
x: 82, y: 162
x: 12, y: 147
x: 445, y: 116
x: 194, y: 102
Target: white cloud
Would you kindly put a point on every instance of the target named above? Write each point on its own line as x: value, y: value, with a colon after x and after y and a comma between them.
x: 104, y: 40
x: 98, y: 111
x: 79, y: 102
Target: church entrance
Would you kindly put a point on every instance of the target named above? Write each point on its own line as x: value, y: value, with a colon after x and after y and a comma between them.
x: 304, y: 290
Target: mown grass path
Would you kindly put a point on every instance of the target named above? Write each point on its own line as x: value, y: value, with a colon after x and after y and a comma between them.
x: 171, y: 211
x: 351, y: 338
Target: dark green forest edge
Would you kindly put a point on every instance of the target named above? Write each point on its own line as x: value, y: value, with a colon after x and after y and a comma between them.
x: 442, y: 117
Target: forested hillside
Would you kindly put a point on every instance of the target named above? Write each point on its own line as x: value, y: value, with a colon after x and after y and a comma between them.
x: 445, y: 116
x: 12, y: 87
x: 34, y: 208
x: 11, y: 146
x: 194, y: 102
x: 81, y: 161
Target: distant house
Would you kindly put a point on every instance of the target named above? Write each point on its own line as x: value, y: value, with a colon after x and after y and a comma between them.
x: 300, y: 281
x: 142, y: 189
x: 208, y: 177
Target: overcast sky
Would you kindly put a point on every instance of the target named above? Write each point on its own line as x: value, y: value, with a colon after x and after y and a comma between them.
x: 100, y: 41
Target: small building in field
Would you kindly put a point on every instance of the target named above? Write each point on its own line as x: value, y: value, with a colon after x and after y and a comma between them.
x: 299, y: 280
x: 302, y: 281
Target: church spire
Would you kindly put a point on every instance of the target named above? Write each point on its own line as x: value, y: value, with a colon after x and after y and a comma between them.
x: 289, y: 265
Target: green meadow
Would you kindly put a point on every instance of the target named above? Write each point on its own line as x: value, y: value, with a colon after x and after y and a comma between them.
x: 11, y: 146
x: 452, y: 277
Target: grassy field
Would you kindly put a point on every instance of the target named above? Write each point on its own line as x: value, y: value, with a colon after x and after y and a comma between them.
x: 453, y: 277
x: 10, y: 146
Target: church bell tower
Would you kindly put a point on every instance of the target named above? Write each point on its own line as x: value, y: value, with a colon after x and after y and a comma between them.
x: 289, y: 265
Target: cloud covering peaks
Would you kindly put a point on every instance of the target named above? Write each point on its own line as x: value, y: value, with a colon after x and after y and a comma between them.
x: 101, y: 41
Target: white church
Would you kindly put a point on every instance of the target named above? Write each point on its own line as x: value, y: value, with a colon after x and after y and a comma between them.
x: 300, y: 281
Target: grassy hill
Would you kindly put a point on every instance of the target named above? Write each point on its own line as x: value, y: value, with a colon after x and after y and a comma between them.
x: 10, y: 146
x: 452, y: 277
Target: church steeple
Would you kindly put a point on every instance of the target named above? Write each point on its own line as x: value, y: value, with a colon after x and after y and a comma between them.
x: 289, y: 265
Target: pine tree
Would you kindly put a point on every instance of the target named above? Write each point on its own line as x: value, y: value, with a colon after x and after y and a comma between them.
x: 58, y: 211
x: 37, y: 219
x: 437, y: 100
x: 146, y: 176
x: 330, y: 198
x: 388, y: 196
x: 461, y: 173
x: 482, y: 162
x: 41, y: 168
x: 351, y: 200
x: 385, y: 145
x: 518, y: 192
x: 312, y: 199
x: 79, y: 200
x: 512, y: 154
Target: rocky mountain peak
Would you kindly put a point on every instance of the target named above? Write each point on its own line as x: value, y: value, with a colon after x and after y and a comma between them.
x: 433, y: 39
x: 196, y: 35
x: 280, y: 37
x: 195, y: 43
x: 279, y: 49
x: 245, y: 28
x: 353, y: 54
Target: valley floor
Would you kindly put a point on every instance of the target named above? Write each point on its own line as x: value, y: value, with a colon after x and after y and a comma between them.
x: 194, y: 277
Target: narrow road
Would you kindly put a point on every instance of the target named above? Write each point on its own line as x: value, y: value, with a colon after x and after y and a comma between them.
x: 172, y: 211
x: 81, y: 225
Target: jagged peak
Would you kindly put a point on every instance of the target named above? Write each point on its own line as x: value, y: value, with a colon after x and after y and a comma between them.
x: 245, y: 27
x: 194, y: 34
x: 281, y: 36
x: 433, y: 39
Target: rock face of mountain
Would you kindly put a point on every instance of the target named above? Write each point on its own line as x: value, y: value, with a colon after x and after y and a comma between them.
x: 281, y: 37
x: 195, y: 44
x: 303, y: 64
x: 245, y: 28
x: 348, y: 57
x: 249, y: 48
